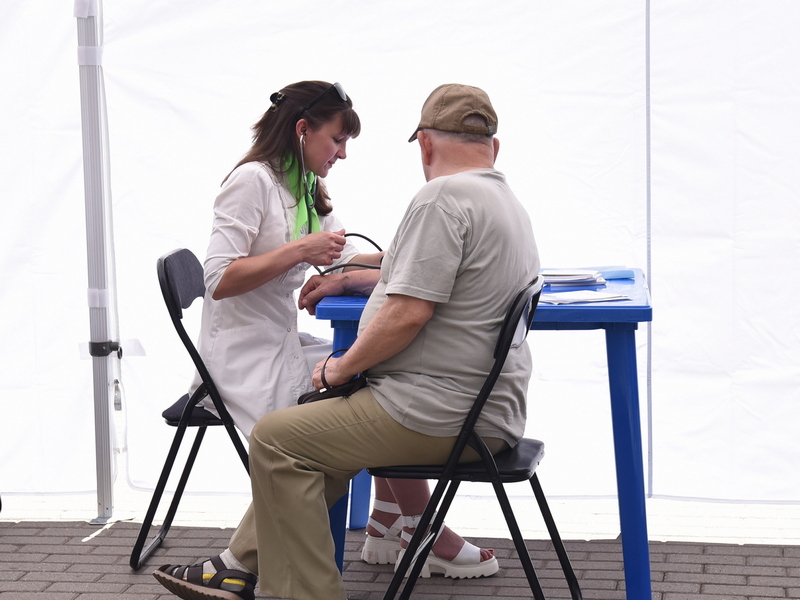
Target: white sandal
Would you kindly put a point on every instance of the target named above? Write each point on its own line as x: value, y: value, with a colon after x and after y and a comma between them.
x: 383, y: 550
x: 465, y: 565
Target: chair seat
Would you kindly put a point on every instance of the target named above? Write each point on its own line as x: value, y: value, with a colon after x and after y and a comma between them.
x: 200, y: 416
x: 515, y: 464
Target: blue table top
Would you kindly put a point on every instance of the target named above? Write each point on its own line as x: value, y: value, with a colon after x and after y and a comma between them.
x: 635, y: 310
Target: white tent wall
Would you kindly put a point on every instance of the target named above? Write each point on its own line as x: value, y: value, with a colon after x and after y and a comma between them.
x: 46, y: 389
x: 186, y: 80
x: 725, y: 214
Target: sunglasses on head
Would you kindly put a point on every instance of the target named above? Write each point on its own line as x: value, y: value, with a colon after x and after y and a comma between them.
x: 336, y: 86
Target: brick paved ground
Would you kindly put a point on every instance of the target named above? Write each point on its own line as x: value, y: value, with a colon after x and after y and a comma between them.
x: 78, y: 561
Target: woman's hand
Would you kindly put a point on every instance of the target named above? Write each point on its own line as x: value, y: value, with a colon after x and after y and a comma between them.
x: 322, y: 247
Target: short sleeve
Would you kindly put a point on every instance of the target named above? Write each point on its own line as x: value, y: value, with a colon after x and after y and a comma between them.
x: 239, y: 214
x: 427, y: 253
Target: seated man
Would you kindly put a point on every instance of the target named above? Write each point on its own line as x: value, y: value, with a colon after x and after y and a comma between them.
x: 463, y: 250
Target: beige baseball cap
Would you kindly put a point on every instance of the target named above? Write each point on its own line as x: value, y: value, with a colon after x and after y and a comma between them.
x: 448, y: 106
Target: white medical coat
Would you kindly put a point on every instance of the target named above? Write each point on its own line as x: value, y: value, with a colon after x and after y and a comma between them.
x: 250, y: 343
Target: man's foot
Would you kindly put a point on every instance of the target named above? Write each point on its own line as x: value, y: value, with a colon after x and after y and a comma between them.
x: 207, y: 580
x: 452, y: 556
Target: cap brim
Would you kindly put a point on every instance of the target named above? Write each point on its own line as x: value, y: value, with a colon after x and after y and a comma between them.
x: 414, y: 135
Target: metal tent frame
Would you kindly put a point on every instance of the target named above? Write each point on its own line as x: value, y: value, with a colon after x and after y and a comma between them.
x: 104, y: 346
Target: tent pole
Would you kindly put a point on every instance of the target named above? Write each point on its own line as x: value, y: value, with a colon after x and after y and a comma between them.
x: 103, y: 343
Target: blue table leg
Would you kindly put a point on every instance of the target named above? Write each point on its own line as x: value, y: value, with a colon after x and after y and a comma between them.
x: 360, y: 493
x: 622, y: 377
x: 344, y: 334
x: 338, y: 516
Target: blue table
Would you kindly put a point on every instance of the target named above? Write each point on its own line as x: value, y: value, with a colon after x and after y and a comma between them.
x: 620, y: 320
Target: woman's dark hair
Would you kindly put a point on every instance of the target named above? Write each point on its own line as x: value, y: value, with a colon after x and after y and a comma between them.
x: 274, y: 135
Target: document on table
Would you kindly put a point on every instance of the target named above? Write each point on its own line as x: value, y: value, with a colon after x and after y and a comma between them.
x: 579, y: 296
x: 571, y: 277
x: 595, y: 276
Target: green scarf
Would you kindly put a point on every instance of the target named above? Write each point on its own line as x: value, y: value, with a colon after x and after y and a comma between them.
x: 304, y: 194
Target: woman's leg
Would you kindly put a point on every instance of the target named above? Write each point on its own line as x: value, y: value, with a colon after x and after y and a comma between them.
x: 412, y: 497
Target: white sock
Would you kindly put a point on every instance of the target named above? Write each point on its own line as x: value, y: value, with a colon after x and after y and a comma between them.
x: 230, y: 561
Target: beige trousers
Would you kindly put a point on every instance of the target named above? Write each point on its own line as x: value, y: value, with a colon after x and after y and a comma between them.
x: 301, y: 460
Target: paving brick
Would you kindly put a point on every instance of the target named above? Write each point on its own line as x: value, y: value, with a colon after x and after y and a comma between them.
x: 79, y: 587
x: 761, y: 581
x: 772, y: 561
x: 36, y: 596
x: 749, y: 570
x: 762, y: 592
x: 23, y: 586
x: 63, y: 576
x: 676, y: 587
x: 683, y: 596
x: 744, y: 550
x: 34, y: 540
x: 717, y: 559
x: 724, y: 579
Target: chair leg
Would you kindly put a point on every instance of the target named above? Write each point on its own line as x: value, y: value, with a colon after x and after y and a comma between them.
x: 237, y: 443
x: 422, y: 541
x: 555, y: 537
x: 140, y: 553
x: 519, y: 542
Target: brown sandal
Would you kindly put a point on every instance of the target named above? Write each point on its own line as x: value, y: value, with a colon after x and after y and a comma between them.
x: 190, y: 583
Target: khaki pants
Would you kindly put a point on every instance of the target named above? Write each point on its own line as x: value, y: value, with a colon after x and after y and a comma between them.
x: 301, y: 460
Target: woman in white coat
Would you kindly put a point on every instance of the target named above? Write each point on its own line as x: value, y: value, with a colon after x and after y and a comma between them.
x: 272, y: 221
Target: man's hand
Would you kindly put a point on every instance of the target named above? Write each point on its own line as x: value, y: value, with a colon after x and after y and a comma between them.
x: 333, y: 375
x: 336, y: 284
x: 319, y: 286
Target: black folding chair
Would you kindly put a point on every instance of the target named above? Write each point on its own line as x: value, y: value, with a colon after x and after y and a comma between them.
x: 513, y: 465
x: 181, y: 278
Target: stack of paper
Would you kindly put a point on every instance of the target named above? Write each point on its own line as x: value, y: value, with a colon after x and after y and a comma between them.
x: 579, y: 296
x: 571, y: 277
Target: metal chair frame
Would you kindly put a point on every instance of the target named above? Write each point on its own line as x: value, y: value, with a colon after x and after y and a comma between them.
x: 180, y: 276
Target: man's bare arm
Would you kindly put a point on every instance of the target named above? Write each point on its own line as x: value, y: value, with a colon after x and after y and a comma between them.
x: 394, y: 326
x: 362, y: 281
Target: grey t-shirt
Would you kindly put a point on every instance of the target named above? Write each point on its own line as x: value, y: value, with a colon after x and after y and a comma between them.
x: 465, y: 243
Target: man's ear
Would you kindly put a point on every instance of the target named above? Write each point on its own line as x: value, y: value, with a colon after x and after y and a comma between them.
x: 426, y: 147
x: 496, y: 145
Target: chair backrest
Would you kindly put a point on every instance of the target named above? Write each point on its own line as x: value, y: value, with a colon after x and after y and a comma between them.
x: 513, y: 332
x: 180, y: 276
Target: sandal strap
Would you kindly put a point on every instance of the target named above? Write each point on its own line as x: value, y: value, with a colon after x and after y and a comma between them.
x: 224, y: 572
x: 248, y: 580
x: 393, y: 530
x: 194, y: 574
x: 378, y: 526
x: 412, y: 522
x: 387, y: 507
x: 217, y: 562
